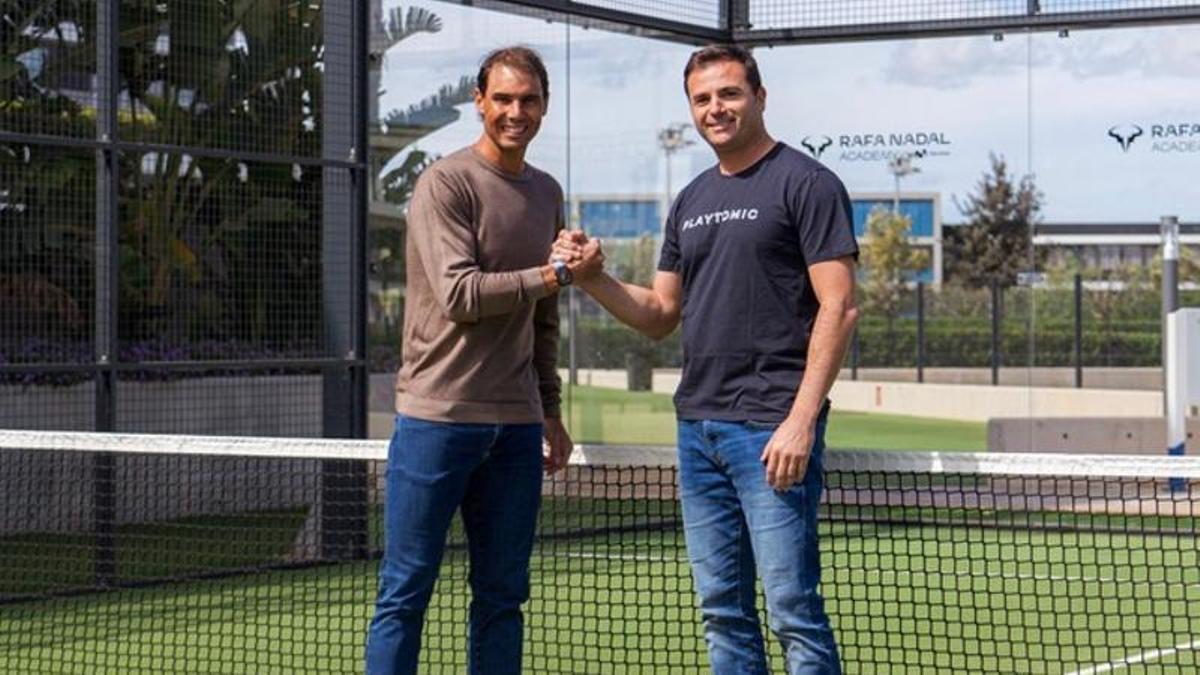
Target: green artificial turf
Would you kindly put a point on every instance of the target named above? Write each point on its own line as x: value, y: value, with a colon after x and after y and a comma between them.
x: 617, y: 417
x: 911, y: 588
x: 906, y: 596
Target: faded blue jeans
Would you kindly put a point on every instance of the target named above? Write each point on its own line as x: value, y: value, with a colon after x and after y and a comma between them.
x: 736, y: 524
x: 494, y: 473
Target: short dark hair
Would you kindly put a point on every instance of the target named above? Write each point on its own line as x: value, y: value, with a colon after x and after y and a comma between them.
x: 713, y: 53
x: 521, y: 58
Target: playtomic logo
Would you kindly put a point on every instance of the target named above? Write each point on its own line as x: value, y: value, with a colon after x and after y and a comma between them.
x: 816, y: 144
x: 1125, y: 134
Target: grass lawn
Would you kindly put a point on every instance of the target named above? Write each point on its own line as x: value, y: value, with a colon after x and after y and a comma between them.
x: 914, y: 598
x: 910, y: 589
x: 614, y: 416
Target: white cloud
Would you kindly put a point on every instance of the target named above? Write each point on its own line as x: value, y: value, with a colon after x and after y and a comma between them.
x: 956, y: 63
x: 1165, y: 52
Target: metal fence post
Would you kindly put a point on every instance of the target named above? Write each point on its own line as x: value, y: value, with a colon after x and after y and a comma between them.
x: 106, y: 342
x: 1170, y: 285
x: 1078, y: 337
x: 920, y: 331
x: 343, y: 492
x: 854, y: 355
x: 996, y: 312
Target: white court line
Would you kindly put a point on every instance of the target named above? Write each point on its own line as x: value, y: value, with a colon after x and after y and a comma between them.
x: 588, y: 555
x: 1144, y: 657
x: 1027, y: 577
x: 1043, y: 577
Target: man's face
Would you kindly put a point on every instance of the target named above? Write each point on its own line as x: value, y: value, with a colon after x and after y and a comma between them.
x: 726, y: 111
x: 511, y: 108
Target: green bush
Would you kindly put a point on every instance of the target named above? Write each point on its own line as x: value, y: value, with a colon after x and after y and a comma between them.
x: 949, y: 343
x: 604, y: 343
x: 968, y: 343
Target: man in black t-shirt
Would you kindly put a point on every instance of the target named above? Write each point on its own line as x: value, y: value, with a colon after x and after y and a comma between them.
x: 758, y: 260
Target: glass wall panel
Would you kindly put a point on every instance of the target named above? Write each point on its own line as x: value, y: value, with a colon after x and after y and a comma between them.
x: 904, y: 127
x: 1116, y: 147
x: 425, y: 59
x: 632, y: 148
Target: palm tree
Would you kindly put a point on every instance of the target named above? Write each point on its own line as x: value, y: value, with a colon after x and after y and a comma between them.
x: 237, y: 75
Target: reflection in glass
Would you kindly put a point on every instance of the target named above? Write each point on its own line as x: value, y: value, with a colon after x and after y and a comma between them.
x: 220, y: 259
x: 47, y: 247
x: 424, y: 60
x: 213, y: 74
x: 47, y: 68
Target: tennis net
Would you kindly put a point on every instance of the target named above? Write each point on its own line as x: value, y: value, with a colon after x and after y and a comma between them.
x: 129, y: 553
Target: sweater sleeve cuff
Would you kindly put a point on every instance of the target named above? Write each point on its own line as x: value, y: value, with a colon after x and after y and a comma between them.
x: 532, y: 283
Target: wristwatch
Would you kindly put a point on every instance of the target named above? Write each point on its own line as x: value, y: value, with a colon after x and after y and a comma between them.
x: 562, y: 273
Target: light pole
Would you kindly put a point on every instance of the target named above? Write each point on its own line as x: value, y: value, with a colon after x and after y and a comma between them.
x: 1169, y: 228
x: 900, y: 166
x: 671, y: 140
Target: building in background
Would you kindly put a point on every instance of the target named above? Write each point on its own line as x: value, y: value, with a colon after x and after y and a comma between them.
x: 924, y: 209
x: 1107, y: 246
x: 616, y: 217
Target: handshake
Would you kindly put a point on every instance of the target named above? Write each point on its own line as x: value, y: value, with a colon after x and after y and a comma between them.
x: 582, y: 255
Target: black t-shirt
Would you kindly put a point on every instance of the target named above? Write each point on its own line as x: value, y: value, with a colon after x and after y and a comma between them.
x: 743, y: 244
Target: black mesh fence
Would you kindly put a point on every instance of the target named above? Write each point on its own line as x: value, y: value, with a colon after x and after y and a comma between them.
x: 47, y: 83
x: 47, y: 240
x: 707, y: 13
x: 967, y: 333
x: 816, y: 14
x: 220, y: 259
x: 775, y: 14
x: 175, y: 554
x: 994, y: 333
x: 163, y: 242
x: 216, y: 75
x: 46, y: 254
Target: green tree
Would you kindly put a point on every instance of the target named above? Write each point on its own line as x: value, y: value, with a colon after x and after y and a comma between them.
x: 45, y: 191
x: 638, y: 266
x: 233, y: 75
x: 889, y: 262
x: 995, y: 243
x: 41, y: 45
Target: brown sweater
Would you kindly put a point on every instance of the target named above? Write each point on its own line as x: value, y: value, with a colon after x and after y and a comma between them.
x: 480, y: 325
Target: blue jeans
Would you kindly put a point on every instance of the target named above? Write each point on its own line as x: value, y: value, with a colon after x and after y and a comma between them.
x: 494, y: 473
x: 736, y: 523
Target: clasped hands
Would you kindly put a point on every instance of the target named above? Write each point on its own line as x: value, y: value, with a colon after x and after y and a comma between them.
x: 582, y: 254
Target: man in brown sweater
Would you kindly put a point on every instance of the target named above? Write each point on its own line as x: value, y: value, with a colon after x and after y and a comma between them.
x: 478, y: 389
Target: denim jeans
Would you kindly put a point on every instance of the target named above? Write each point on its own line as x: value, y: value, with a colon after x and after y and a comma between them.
x: 494, y: 473
x: 736, y: 523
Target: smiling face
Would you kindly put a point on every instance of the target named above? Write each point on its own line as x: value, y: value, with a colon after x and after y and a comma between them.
x: 726, y: 110
x: 511, y: 109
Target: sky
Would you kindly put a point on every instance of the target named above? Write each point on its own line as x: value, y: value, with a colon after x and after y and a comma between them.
x: 1107, y: 122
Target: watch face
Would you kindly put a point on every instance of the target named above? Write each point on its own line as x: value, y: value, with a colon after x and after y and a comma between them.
x: 562, y: 273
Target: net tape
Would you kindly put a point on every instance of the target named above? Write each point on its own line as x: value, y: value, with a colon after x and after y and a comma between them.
x: 975, y: 463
